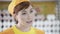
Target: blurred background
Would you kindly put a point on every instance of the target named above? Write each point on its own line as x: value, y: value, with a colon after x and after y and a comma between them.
x: 47, y: 17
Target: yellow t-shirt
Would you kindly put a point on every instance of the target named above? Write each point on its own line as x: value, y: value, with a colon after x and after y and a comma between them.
x: 16, y: 31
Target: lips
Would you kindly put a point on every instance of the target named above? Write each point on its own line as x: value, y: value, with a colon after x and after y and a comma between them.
x: 29, y: 21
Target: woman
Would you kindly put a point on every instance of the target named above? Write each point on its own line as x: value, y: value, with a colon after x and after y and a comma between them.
x: 23, y: 14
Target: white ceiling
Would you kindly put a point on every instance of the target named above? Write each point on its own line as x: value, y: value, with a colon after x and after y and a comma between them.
x: 32, y: 0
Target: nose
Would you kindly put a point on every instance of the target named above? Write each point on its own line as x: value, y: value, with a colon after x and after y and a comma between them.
x: 29, y: 17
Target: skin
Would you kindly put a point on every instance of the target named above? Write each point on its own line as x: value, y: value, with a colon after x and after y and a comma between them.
x: 25, y: 19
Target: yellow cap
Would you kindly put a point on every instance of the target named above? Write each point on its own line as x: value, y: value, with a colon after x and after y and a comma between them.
x: 13, y: 4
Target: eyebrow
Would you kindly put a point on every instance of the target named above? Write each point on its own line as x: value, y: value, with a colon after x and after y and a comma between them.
x: 31, y: 8
x: 25, y: 10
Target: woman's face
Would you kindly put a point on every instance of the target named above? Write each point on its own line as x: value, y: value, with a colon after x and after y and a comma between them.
x: 26, y: 16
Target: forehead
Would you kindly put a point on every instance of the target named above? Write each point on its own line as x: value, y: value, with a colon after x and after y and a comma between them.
x: 29, y: 8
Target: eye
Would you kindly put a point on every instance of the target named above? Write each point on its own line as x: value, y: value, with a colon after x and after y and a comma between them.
x: 31, y: 11
x: 23, y: 13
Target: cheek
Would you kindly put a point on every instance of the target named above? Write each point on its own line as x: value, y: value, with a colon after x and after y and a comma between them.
x: 19, y: 18
x: 23, y: 18
x: 33, y: 16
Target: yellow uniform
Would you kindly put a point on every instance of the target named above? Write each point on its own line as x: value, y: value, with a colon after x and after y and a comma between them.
x: 14, y: 30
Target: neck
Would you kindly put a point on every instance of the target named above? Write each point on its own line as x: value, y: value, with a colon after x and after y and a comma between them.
x: 23, y: 28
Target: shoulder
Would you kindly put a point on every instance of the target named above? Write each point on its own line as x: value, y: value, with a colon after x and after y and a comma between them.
x: 38, y: 31
x: 8, y: 31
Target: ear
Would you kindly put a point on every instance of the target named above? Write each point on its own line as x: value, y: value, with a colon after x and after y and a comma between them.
x: 15, y: 16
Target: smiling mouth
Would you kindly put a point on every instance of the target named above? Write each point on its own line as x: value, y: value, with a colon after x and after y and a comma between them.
x: 29, y: 21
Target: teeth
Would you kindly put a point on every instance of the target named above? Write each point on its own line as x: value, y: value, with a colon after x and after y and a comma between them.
x: 29, y: 21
